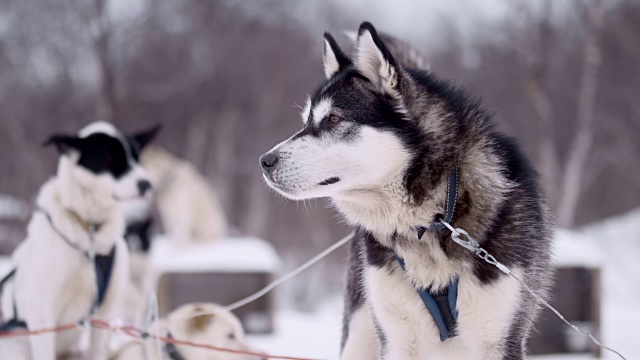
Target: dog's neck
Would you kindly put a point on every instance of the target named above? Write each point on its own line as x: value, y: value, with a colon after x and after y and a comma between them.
x: 86, y: 226
x: 78, y: 228
x: 390, y: 209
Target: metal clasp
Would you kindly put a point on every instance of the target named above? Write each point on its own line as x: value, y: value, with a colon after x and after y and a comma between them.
x: 469, y: 244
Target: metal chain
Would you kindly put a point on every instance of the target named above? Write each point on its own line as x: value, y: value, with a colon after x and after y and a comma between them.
x: 472, y: 245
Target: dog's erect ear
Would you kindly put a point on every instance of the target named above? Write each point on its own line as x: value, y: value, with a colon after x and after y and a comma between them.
x: 374, y: 60
x: 64, y: 143
x: 333, y: 59
x: 143, y: 138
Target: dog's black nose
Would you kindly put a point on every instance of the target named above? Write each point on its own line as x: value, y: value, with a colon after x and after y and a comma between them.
x: 143, y: 186
x: 268, y: 161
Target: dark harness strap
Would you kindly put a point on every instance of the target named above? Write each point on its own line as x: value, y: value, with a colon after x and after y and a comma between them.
x: 7, y: 277
x: 63, y: 236
x: 13, y: 323
x: 104, y: 266
x: 441, y: 304
x: 171, y: 350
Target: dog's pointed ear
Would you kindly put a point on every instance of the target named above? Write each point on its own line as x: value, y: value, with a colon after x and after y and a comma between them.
x: 143, y: 138
x: 333, y: 59
x: 374, y: 60
x: 64, y: 143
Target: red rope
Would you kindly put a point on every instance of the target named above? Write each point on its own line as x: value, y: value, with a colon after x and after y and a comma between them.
x: 26, y: 332
x: 135, y: 332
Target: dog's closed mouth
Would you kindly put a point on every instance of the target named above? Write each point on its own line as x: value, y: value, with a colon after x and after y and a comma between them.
x: 329, y: 181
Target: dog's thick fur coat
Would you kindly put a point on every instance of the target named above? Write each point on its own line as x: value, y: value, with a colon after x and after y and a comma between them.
x: 380, y: 140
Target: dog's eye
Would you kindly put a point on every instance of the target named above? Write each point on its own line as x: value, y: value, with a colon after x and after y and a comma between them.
x: 232, y: 336
x: 333, y: 119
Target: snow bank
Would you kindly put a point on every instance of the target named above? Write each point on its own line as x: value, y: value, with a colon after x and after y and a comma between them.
x: 613, y: 245
x: 231, y: 255
x: 573, y: 249
x: 12, y: 207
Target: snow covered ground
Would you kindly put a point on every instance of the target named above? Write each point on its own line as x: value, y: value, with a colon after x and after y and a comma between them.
x: 614, y: 244
x: 317, y: 335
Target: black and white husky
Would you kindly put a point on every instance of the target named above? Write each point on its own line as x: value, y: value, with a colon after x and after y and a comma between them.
x: 396, y: 150
x: 78, y: 219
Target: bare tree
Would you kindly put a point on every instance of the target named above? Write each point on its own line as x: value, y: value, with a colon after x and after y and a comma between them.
x: 534, y: 54
x: 100, y: 30
x: 576, y: 164
x: 563, y: 181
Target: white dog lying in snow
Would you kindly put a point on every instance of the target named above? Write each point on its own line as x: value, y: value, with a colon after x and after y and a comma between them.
x: 202, y: 323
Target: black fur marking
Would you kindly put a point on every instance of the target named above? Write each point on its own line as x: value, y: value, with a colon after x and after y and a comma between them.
x: 138, y: 235
x: 503, y: 236
x: 355, y: 296
x: 139, y: 141
x: 102, y: 153
x: 382, y: 337
x: 377, y: 254
x: 514, y: 344
x: 99, y: 153
x: 329, y: 181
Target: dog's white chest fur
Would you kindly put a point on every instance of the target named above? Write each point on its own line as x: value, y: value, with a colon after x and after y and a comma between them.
x: 55, y: 283
x: 484, y: 313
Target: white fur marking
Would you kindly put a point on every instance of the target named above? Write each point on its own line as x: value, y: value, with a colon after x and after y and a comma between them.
x: 306, y: 111
x: 101, y: 127
x: 322, y: 109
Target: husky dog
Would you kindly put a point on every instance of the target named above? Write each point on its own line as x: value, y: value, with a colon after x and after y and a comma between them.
x: 78, y: 219
x: 396, y: 150
x: 189, y: 208
x: 202, y: 323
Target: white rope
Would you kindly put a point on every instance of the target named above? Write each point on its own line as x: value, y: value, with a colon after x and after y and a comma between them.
x: 545, y: 303
x: 272, y: 285
x: 152, y: 315
x: 290, y: 275
x: 491, y: 260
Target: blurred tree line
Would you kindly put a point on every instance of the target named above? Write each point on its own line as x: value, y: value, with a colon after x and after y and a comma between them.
x: 225, y: 81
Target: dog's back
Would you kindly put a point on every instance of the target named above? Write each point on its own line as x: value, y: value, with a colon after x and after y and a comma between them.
x: 189, y: 207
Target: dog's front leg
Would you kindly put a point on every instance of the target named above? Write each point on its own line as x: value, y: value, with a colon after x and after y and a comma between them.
x: 111, y: 308
x: 361, y: 343
x: 400, y: 314
x: 43, y: 346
